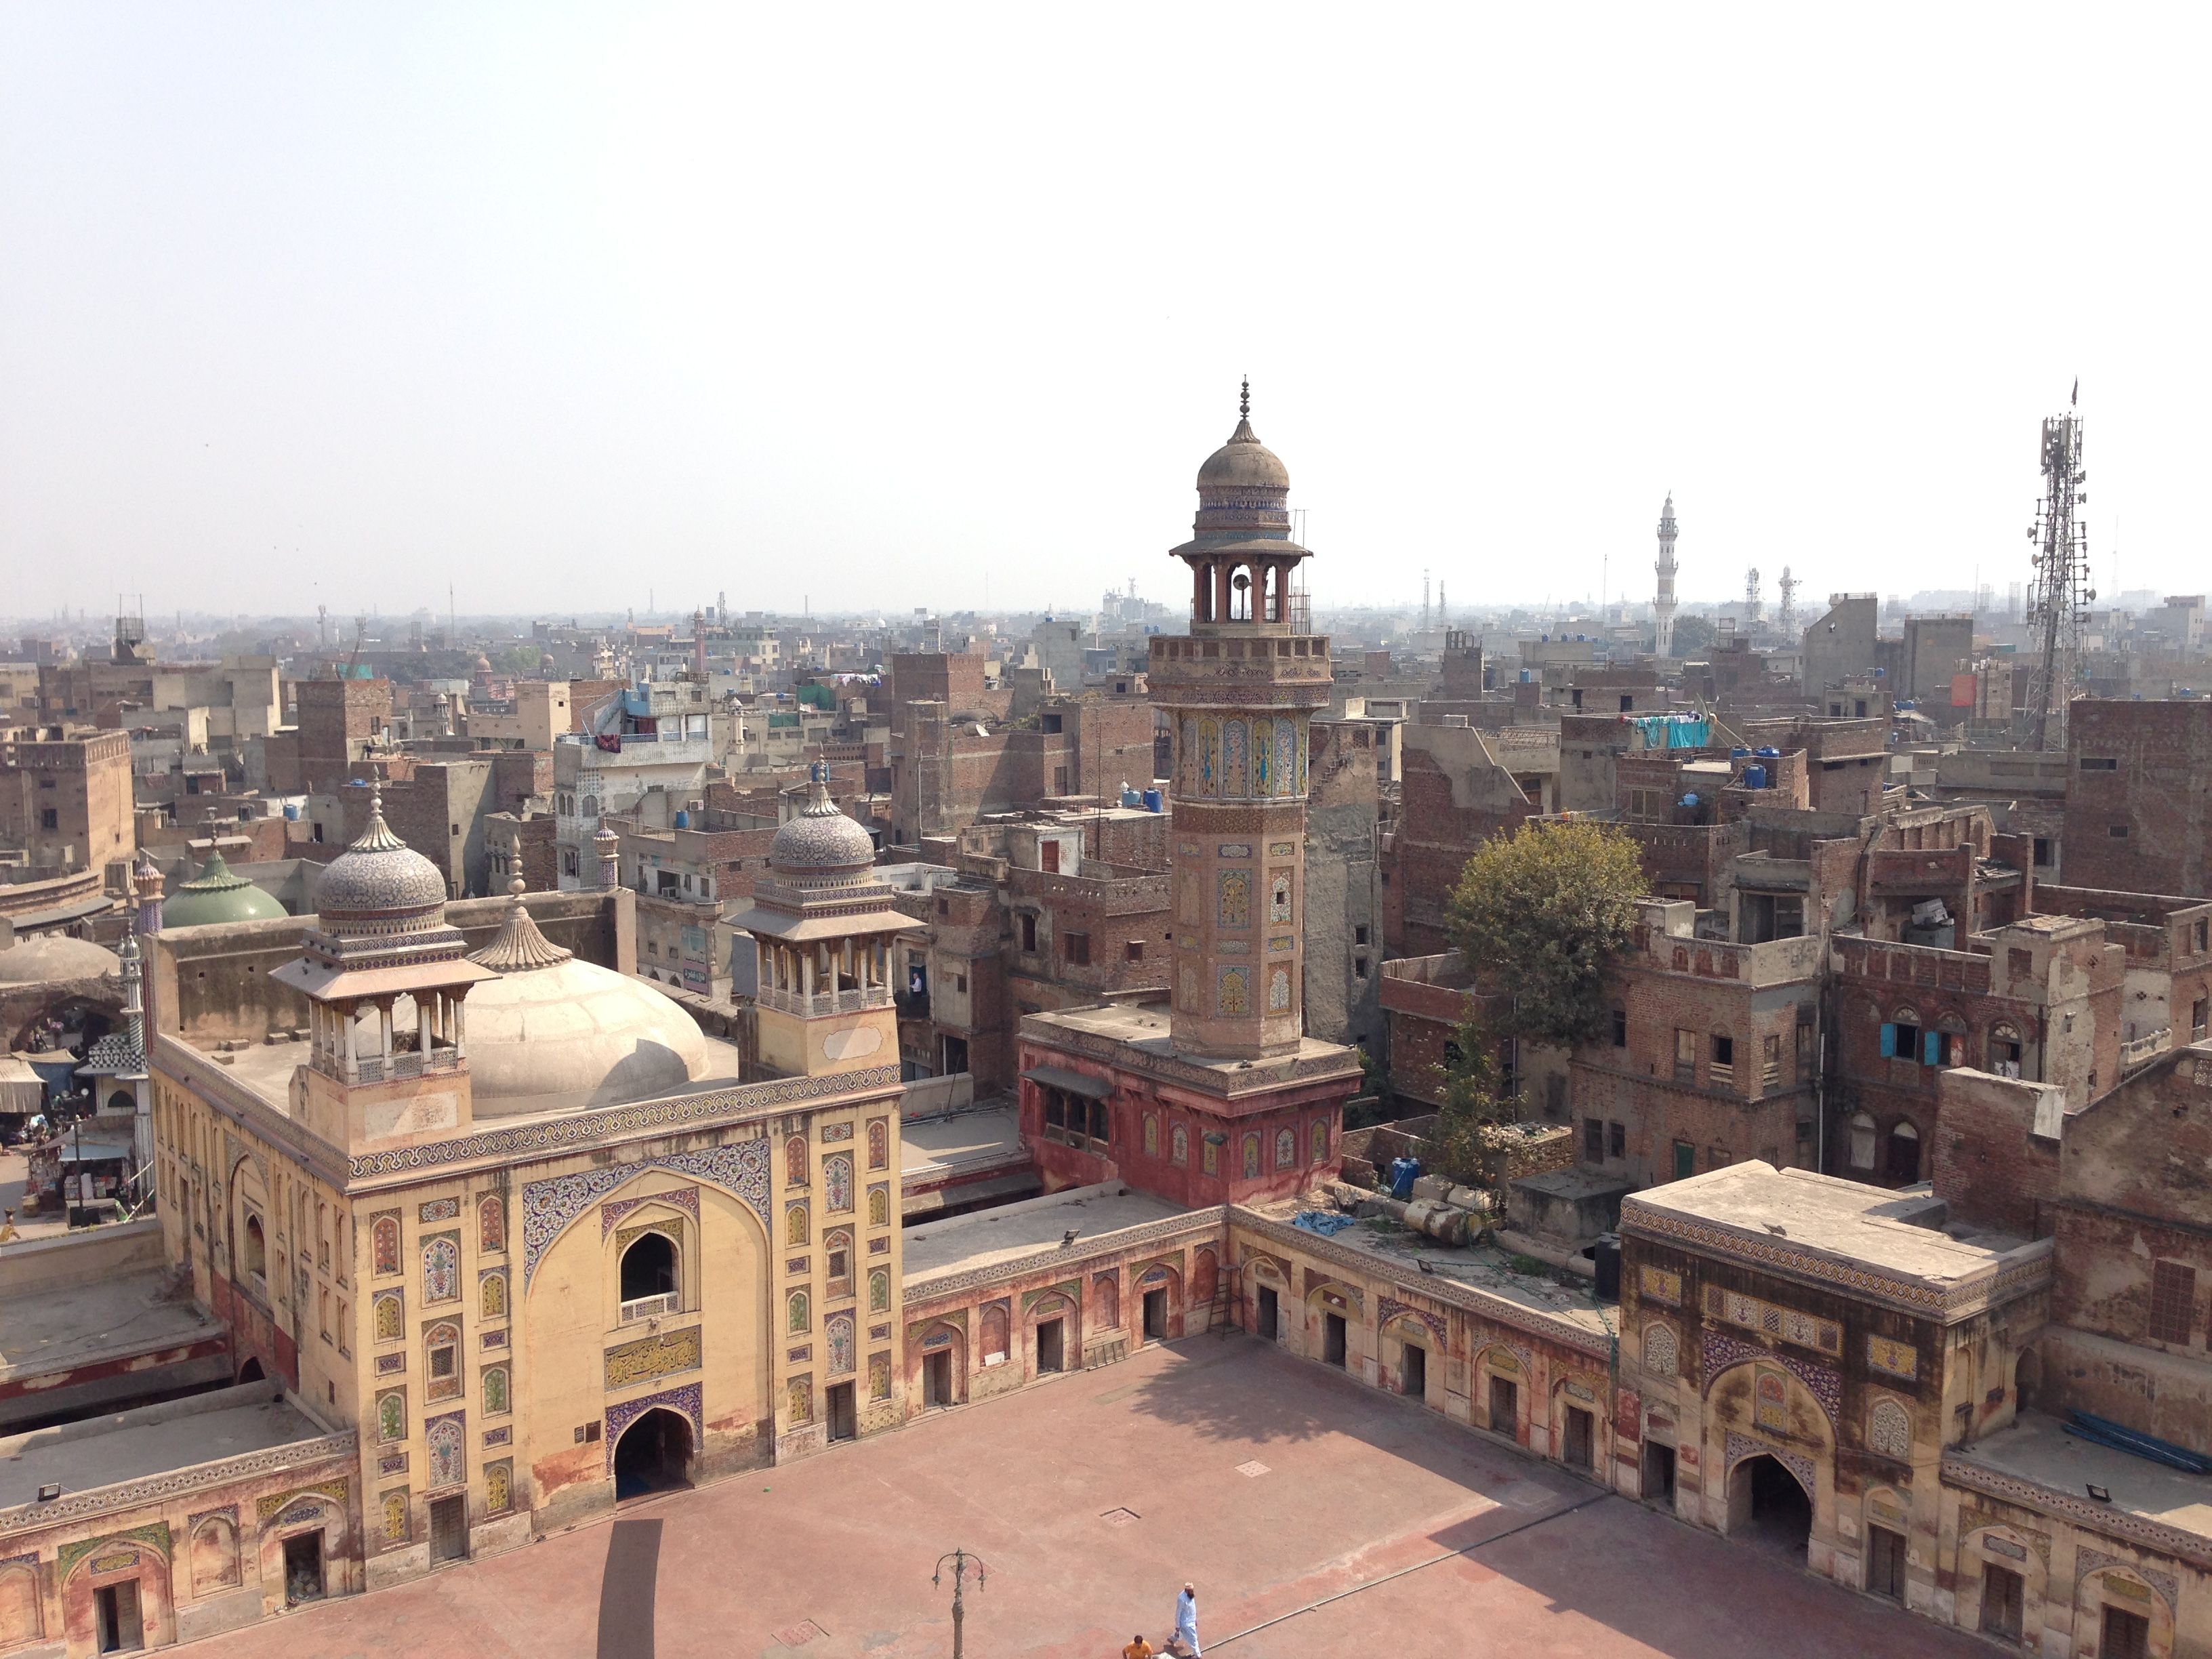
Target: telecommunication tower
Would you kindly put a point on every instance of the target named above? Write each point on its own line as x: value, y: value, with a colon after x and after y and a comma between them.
x: 1787, y: 620
x: 1751, y: 600
x: 2058, y: 598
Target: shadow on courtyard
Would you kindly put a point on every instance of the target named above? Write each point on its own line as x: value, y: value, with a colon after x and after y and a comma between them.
x: 1588, y: 1553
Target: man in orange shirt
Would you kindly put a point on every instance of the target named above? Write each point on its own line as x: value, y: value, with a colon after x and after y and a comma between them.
x: 1138, y: 1649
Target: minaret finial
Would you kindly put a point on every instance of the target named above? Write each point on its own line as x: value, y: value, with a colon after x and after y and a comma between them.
x: 1244, y: 401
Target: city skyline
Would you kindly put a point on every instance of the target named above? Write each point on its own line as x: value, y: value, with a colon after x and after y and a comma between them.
x: 316, y: 309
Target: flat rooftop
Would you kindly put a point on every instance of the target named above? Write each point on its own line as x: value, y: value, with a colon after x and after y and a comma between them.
x: 937, y: 1149
x: 79, y: 1324
x: 1485, y: 1267
x: 988, y: 1237
x: 1145, y: 1026
x: 2038, y: 1448
x: 152, y: 1440
x: 1829, y: 1215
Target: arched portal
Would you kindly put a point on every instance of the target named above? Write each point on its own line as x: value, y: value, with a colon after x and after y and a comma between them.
x: 654, y: 1454
x: 1769, y: 1507
x: 251, y: 1371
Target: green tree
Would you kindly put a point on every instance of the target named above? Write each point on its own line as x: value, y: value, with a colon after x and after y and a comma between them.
x: 1455, y: 1144
x: 1693, y: 635
x: 1538, y: 915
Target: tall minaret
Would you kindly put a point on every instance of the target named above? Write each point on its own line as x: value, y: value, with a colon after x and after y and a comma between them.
x: 1238, y: 691
x: 1664, y: 606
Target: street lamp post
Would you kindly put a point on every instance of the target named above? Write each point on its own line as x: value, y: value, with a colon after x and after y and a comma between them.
x: 961, y: 1561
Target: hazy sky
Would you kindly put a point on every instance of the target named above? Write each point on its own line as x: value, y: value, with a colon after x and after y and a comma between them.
x: 872, y: 306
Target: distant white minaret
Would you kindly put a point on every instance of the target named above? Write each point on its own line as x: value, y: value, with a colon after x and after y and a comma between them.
x: 1664, y: 606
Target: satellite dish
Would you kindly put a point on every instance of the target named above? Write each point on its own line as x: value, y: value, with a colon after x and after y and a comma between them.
x: 1845, y: 907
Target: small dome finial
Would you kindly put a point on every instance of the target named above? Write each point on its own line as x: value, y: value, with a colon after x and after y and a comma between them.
x: 1244, y: 400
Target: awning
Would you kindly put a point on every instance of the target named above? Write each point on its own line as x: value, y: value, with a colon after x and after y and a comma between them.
x: 1074, y: 1083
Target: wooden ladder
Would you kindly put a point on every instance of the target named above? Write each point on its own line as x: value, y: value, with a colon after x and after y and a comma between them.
x: 1228, y: 1299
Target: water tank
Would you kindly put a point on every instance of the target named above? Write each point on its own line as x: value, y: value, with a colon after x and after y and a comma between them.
x: 1739, y: 753
x: 1130, y: 797
x: 1154, y: 801
x: 1754, y: 777
x: 1769, y: 754
x: 1526, y: 676
x: 1690, y: 800
x: 683, y: 819
x: 292, y: 811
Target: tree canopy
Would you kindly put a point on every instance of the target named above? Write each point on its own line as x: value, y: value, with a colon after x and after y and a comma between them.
x: 1539, y: 915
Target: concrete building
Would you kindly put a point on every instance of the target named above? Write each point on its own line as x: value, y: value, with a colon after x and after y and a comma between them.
x: 1840, y: 645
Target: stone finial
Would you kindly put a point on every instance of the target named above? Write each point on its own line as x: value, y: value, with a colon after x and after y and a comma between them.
x: 519, y: 947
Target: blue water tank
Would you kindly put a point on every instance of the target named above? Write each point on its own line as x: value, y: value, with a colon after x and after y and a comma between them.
x: 1690, y: 800
x: 292, y: 811
x: 683, y: 819
x: 1754, y: 777
x: 1739, y: 753
x: 1769, y: 754
x: 1130, y: 797
x: 1526, y: 676
x: 1154, y: 801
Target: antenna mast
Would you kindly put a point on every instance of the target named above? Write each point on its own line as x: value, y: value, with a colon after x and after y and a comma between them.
x: 1787, y: 621
x: 2059, y: 597
x: 1751, y: 601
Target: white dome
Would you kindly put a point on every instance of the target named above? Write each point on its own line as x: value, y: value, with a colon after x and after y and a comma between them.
x: 39, y: 959
x: 572, y: 1035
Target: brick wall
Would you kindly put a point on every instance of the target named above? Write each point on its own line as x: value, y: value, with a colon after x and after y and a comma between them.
x: 2143, y: 822
x: 1989, y: 1164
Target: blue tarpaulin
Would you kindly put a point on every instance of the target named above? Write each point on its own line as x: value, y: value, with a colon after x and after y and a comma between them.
x: 1324, y: 1222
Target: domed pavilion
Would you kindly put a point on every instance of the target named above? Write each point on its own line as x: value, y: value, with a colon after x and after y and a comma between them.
x: 823, y: 924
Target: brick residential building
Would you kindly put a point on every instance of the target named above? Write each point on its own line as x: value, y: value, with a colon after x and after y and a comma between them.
x: 2138, y: 814
x: 65, y: 797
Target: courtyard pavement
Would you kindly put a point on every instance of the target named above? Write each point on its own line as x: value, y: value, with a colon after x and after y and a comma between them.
x: 1317, y: 1518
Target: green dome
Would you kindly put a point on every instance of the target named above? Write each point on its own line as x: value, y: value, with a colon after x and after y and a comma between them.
x: 216, y: 895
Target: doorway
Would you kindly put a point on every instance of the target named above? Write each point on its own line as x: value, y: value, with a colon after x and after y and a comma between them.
x: 449, y: 1529
x: 303, y: 1568
x: 1658, y: 1474
x: 844, y: 1416
x: 1271, y: 1315
x: 1050, y: 1346
x: 654, y: 1454
x: 1885, y: 1574
x: 1413, y: 1373
x: 115, y: 1610
x: 1902, y: 1155
x: 2127, y: 1635
x: 2002, y: 1597
x: 1581, y: 1437
x: 936, y: 1378
x: 1767, y: 1507
x: 1505, y: 1406
x: 1332, y: 1341
x: 1156, y: 1316
x: 251, y: 1371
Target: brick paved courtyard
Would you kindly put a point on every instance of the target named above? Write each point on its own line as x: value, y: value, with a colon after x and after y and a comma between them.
x: 1317, y: 1517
